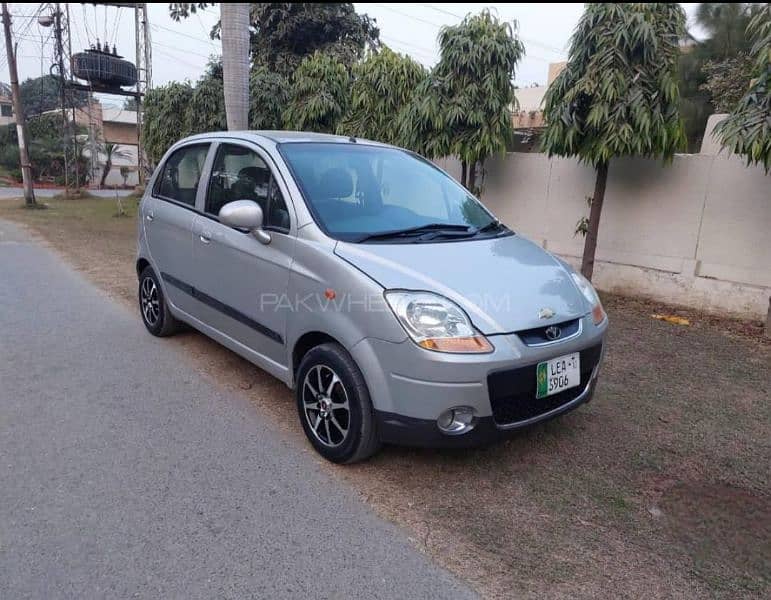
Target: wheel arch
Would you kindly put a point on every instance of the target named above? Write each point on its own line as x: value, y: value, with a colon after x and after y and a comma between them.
x: 142, y: 264
x: 306, y: 342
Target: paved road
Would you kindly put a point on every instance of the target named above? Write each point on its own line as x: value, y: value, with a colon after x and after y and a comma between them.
x: 123, y: 474
x: 7, y: 193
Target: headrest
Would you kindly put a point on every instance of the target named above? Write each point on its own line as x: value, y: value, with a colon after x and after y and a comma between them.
x: 258, y: 174
x: 335, y: 183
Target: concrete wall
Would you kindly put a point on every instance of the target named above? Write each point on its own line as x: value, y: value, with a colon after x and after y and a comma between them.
x: 697, y: 232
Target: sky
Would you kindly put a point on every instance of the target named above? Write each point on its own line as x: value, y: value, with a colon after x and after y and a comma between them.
x: 181, y: 50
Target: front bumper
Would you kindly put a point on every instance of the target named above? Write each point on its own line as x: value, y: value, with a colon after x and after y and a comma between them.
x: 411, y: 387
x: 408, y: 431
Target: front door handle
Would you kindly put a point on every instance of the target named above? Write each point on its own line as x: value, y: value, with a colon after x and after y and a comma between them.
x: 205, y: 237
x: 149, y: 216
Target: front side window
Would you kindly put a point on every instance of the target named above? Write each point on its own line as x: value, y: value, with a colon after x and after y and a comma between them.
x: 181, y: 174
x: 358, y: 192
x: 240, y: 174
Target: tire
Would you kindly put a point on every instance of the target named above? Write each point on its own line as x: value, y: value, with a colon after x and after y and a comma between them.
x: 152, y: 305
x: 341, y: 435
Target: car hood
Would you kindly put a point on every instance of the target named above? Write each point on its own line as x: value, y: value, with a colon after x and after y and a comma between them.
x: 502, y: 283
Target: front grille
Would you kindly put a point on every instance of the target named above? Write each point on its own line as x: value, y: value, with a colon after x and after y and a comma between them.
x: 537, y: 335
x: 512, y: 392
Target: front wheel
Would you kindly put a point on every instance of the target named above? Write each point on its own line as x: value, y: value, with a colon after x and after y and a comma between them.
x: 334, y: 405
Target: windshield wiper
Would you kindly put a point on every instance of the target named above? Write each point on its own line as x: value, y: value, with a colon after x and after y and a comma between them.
x: 419, y: 230
x: 491, y: 226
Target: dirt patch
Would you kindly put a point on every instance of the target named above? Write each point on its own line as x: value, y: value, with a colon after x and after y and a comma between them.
x: 646, y: 491
x: 728, y: 524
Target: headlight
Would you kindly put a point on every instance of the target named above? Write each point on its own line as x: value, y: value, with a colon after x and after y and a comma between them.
x: 436, y: 323
x: 598, y: 313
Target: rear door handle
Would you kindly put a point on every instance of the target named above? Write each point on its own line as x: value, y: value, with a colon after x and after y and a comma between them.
x: 149, y: 216
x: 205, y: 237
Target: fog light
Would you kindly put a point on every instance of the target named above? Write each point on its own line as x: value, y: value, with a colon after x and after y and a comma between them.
x: 456, y: 421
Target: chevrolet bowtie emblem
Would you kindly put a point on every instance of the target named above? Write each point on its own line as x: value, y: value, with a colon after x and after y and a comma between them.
x: 546, y: 313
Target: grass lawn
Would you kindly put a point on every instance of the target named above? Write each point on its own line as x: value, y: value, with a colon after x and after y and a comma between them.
x: 658, y: 488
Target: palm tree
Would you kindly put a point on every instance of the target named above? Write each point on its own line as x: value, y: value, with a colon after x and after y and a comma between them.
x: 235, y: 63
x: 110, y: 151
x: 234, y: 22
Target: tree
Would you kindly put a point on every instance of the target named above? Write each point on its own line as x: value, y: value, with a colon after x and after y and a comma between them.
x: 284, y: 33
x: 124, y: 173
x: 747, y: 130
x: 268, y: 96
x: 423, y: 123
x: 234, y: 29
x: 287, y: 32
x: 617, y: 95
x: 318, y: 95
x: 724, y: 24
x: 727, y: 80
x: 464, y: 107
x: 478, y: 59
x: 110, y: 151
x: 206, y: 110
x: 165, y: 118
x: 382, y: 85
x: 41, y: 94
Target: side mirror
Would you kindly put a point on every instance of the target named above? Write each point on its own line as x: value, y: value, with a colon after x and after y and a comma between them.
x: 245, y: 214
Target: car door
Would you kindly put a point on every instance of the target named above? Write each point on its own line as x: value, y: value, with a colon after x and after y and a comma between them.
x: 168, y: 215
x: 240, y: 283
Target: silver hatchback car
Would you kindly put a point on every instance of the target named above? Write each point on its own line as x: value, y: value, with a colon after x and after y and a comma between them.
x: 397, y: 307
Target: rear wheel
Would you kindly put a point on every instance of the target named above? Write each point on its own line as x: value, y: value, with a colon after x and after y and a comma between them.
x: 334, y: 405
x: 152, y: 304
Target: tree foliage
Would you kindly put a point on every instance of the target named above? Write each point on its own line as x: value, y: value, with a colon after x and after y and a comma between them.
x: 464, y: 106
x: 268, y: 96
x: 46, y: 150
x: 318, y: 95
x: 165, y: 118
x: 478, y: 59
x: 618, y: 93
x: 206, y: 110
x: 284, y: 33
x: 382, y: 85
x: 41, y: 94
x: 747, y: 130
x: 724, y: 24
x: 727, y: 80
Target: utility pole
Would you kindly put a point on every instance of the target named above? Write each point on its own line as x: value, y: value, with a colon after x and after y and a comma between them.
x: 75, y: 147
x: 62, y: 97
x: 18, y: 108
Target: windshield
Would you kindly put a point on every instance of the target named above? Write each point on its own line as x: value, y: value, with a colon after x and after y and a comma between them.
x: 359, y: 192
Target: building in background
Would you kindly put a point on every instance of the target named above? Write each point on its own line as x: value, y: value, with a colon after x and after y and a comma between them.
x: 104, y: 125
x: 528, y: 119
x: 6, y: 104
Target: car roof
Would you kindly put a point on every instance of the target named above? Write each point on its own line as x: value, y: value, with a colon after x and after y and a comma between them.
x: 283, y: 137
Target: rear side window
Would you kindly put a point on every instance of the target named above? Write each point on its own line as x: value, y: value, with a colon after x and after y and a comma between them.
x: 181, y: 174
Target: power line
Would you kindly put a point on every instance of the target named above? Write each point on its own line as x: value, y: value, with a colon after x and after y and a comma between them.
x: 187, y: 35
x: 528, y: 40
x: 439, y: 26
x: 206, y: 56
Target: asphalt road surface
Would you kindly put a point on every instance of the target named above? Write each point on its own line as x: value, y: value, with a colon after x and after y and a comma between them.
x: 125, y: 474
